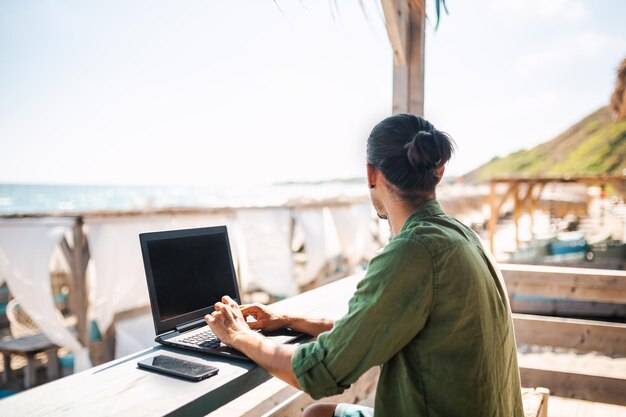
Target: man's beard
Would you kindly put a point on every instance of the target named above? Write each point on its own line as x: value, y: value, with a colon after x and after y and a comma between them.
x: 379, y: 208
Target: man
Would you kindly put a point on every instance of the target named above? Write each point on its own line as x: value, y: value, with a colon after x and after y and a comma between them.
x: 431, y: 311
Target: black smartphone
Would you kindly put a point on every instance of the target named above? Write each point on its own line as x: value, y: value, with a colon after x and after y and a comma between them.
x: 178, y: 367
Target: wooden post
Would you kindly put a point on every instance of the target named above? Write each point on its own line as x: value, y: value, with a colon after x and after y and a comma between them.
x: 78, y: 257
x: 516, y: 212
x: 534, y: 200
x: 81, y: 258
x: 493, y: 215
x: 406, y: 31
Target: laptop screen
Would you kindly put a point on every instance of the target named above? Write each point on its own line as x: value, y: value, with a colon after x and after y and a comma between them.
x: 188, y: 271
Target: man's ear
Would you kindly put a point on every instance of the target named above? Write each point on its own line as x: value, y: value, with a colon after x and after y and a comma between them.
x: 371, y: 175
x: 440, y: 171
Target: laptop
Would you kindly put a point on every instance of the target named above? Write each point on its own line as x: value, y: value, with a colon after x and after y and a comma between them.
x: 188, y: 271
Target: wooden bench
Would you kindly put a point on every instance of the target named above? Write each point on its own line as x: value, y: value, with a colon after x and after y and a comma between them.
x: 28, y: 347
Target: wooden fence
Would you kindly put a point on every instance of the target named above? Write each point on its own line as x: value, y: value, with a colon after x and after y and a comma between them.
x: 582, y: 335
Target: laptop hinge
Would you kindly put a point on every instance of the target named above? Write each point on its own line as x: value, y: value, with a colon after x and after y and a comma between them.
x: 181, y: 328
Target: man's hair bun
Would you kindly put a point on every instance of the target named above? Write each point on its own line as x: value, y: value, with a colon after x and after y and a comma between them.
x: 409, y: 151
x: 428, y: 151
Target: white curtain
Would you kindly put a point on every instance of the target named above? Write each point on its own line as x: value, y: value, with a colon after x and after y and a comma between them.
x: 26, y: 247
x: 265, y: 251
x: 354, y: 225
x: 117, y: 279
x: 133, y: 335
x: 321, y: 242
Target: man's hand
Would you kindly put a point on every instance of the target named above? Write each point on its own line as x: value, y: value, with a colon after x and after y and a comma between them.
x: 229, y: 325
x: 265, y: 318
x: 227, y: 321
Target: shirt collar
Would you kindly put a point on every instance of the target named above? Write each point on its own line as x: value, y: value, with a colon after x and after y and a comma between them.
x: 428, y: 209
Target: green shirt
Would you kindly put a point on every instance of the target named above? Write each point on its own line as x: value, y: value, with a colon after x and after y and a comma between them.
x: 432, y: 312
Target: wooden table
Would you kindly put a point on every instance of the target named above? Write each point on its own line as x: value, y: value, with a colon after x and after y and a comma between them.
x: 30, y: 346
x: 119, y: 388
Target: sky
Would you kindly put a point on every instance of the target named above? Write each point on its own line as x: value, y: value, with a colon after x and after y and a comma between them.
x: 244, y: 92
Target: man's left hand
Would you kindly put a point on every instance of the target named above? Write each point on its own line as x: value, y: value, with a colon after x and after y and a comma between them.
x: 227, y: 321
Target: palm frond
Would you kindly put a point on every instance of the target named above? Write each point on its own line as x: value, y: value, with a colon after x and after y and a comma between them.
x: 440, y: 5
x: 279, y: 8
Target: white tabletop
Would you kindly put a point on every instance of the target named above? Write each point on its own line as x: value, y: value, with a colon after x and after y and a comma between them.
x: 120, y: 388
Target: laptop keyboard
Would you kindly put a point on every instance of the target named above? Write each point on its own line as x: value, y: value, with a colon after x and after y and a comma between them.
x: 204, y: 338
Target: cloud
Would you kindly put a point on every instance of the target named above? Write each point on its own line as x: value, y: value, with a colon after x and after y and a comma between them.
x: 567, y: 50
x: 568, y: 10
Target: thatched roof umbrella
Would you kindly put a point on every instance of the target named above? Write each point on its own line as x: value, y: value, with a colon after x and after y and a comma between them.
x: 618, y: 99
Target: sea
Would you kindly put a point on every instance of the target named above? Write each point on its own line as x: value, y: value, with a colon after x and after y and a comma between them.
x: 41, y: 199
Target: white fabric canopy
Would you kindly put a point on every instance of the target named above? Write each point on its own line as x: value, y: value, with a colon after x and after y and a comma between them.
x: 117, y: 279
x: 321, y: 242
x: 265, y: 251
x: 26, y: 247
x: 354, y: 226
x: 133, y: 335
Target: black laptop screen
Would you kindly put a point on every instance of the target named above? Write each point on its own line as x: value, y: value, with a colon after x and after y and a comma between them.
x: 191, y: 273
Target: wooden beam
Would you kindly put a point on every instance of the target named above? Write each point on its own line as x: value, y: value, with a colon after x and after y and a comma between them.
x: 406, y: 31
x: 572, y: 385
x: 517, y: 212
x: 79, y: 294
x: 360, y: 390
x: 495, y: 208
x: 397, y: 21
x: 535, y: 401
x: 534, y: 199
x: 493, y: 215
x: 603, y: 285
x: 417, y: 46
x: 585, y: 335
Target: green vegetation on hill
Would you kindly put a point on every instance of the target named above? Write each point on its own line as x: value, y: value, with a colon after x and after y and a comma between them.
x: 595, y: 145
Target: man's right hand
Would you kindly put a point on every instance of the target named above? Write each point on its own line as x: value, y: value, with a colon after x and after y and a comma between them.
x: 265, y: 318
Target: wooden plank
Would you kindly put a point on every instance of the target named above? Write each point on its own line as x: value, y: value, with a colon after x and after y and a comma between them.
x: 569, y: 407
x: 293, y: 406
x: 493, y: 215
x: 29, y: 344
x: 416, y: 46
x: 79, y: 295
x: 535, y: 401
x: 567, y: 308
x: 405, y: 28
x: 568, y: 283
x: 573, y: 385
x: 495, y: 207
x: 517, y: 212
x: 585, y: 335
x: 396, y: 18
x: 258, y: 401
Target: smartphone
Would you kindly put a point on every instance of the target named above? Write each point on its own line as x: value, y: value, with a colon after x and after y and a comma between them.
x: 178, y: 367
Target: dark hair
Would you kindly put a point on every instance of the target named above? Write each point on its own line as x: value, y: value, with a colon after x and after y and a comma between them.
x: 409, y: 150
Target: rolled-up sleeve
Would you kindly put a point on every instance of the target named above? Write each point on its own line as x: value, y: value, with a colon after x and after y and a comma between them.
x: 390, y: 307
x: 313, y: 375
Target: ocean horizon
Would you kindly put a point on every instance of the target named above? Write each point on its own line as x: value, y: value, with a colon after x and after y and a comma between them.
x: 52, y: 198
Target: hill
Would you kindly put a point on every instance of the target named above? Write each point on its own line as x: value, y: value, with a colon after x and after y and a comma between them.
x: 595, y: 145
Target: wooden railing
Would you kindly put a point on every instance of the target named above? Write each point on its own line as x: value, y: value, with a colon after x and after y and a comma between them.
x: 582, y: 335
x: 603, y: 285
